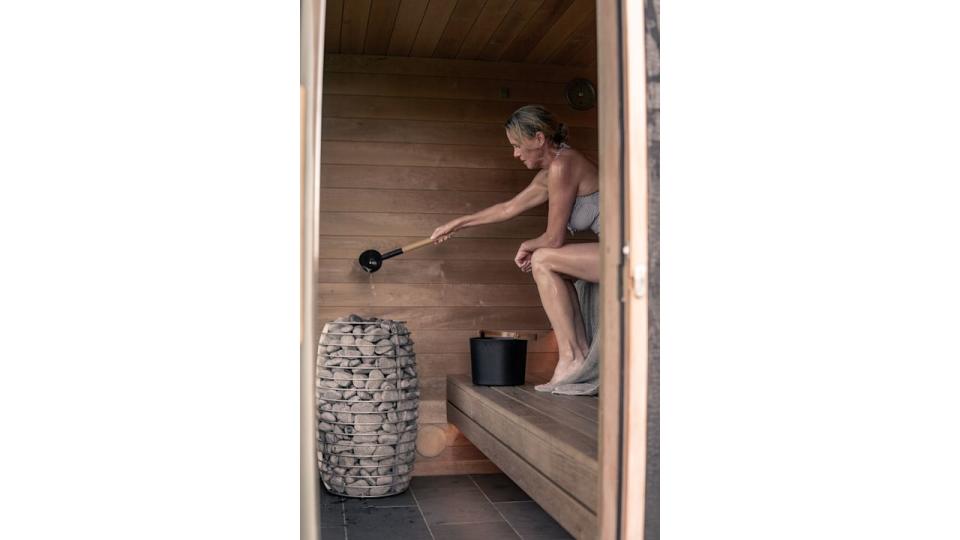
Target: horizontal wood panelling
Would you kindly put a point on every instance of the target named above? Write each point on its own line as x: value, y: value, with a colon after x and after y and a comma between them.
x: 426, y: 295
x: 424, y: 155
x: 435, y: 67
x: 424, y: 202
x: 436, y: 365
x: 456, y: 249
x: 419, y: 131
x: 409, y: 144
x: 458, y: 341
x: 433, y: 387
x: 404, y: 270
x: 448, y: 178
x: 429, y: 155
x: 444, y: 318
x: 432, y: 412
x: 422, y: 225
x: 422, y: 86
x: 497, y: 112
x: 414, y: 131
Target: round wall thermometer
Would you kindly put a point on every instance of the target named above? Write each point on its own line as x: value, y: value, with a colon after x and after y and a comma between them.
x: 581, y: 95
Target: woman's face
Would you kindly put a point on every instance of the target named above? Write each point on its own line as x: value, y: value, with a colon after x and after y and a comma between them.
x: 529, y: 151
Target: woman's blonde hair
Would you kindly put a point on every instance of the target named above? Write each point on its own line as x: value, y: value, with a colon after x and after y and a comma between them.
x: 526, y: 121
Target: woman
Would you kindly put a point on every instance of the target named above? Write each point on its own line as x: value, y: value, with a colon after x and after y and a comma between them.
x: 570, y: 183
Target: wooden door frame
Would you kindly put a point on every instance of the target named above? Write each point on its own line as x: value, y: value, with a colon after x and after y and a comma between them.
x: 312, y: 24
x: 622, y: 114
x: 621, y: 70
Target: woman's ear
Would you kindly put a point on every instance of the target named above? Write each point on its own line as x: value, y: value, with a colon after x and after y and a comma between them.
x: 541, y: 138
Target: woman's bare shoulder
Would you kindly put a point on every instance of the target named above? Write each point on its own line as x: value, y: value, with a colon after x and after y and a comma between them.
x: 585, y: 171
x: 573, y: 168
x: 541, y: 178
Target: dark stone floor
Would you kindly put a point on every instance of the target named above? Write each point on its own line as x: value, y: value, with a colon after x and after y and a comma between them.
x: 467, y: 507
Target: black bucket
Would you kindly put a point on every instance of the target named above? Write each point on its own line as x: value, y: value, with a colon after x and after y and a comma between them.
x: 498, y: 361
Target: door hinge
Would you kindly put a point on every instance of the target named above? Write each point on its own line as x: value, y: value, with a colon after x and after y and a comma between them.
x: 638, y: 275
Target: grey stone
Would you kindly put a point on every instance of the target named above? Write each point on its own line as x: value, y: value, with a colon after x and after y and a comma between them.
x: 385, y: 362
x: 366, y: 348
x: 384, y: 451
x: 362, y: 407
x: 374, y: 379
x: 343, y: 380
x: 365, y: 423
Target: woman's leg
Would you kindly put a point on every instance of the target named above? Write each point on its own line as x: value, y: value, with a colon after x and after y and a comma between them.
x: 578, y: 325
x: 559, y: 298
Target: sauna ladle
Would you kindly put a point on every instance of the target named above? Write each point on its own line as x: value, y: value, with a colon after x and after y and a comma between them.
x: 371, y: 260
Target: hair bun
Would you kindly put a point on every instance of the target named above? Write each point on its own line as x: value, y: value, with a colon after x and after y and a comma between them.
x: 561, y: 135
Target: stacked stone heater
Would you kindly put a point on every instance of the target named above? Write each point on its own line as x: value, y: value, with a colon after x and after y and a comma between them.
x: 367, y: 406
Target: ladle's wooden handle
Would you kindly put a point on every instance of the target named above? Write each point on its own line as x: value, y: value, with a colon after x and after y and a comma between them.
x: 416, y: 245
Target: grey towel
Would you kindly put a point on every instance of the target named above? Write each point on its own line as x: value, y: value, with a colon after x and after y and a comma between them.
x: 586, y: 382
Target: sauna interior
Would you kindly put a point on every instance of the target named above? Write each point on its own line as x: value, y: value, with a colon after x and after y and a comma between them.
x: 414, y: 97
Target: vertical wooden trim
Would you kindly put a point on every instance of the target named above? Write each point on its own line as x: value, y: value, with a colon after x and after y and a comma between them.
x: 635, y: 278
x: 313, y: 23
x: 621, y: 66
x: 610, y: 142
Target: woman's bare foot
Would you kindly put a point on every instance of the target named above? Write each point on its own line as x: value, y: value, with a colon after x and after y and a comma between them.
x: 566, y: 368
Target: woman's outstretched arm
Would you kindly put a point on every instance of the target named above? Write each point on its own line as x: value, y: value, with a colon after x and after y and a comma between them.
x: 534, y: 194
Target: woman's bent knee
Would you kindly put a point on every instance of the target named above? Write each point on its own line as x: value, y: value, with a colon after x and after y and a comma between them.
x: 541, y: 260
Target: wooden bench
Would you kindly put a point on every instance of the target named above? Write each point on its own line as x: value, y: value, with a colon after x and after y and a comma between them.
x: 545, y: 443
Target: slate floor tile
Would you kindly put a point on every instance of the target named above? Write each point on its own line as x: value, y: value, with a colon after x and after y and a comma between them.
x: 441, y: 506
x: 331, y: 515
x: 386, y: 523
x: 457, y: 482
x: 531, y: 521
x: 500, y: 488
x: 494, y: 530
x: 333, y: 533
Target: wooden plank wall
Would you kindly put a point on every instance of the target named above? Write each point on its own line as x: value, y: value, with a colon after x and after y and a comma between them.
x: 408, y: 144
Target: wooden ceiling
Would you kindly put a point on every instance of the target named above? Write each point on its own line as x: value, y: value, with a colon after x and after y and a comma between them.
x: 562, y: 32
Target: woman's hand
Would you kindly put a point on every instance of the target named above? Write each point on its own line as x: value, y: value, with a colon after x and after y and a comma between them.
x: 523, y: 258
x: 445, y: 231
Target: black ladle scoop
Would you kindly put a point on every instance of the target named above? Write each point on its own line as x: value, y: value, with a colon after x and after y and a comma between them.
x: 371, y: 260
